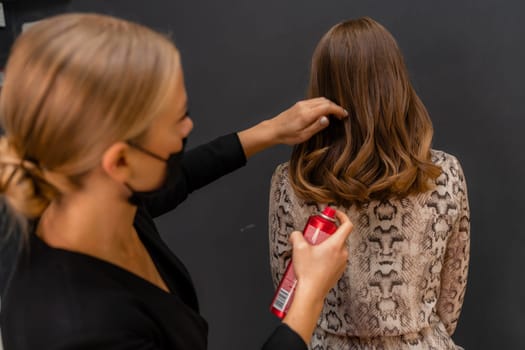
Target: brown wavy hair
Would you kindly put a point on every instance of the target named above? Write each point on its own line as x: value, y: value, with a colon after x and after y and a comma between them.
x: 382, y: 150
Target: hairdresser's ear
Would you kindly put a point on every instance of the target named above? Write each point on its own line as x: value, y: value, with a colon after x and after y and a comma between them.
x: 116, y: 161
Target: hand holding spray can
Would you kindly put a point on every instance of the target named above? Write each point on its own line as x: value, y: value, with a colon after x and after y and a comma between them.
x: 318, y: 228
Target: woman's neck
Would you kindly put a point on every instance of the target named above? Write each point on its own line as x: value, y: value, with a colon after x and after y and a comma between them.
x: 98, y: 224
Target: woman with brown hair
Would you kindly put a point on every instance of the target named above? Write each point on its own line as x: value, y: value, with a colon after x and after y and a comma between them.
x: 95, y: 116
x: 406, y: 275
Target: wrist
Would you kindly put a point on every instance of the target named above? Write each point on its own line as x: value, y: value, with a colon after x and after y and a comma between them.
x: 267, y: 132
x: 310, y: 294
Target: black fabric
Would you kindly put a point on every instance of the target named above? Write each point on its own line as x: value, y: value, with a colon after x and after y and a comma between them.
x: 62, y: 300
x: 10, y: 239
x: 284, y: 338
x: 58, y: 299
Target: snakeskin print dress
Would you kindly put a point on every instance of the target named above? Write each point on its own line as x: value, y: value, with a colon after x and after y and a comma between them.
x: 404, y: 284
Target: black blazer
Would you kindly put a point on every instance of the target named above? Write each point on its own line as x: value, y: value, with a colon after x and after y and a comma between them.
x: 60, y: 300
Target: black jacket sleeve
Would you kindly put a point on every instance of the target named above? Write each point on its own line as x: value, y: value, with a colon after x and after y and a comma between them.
x: 200, y: 166
x: 284, y: 338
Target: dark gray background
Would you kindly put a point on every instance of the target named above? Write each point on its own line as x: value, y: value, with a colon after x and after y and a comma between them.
x: 247, y: 60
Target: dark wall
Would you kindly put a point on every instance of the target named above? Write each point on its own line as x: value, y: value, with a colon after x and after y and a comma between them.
x: 248, y: 60
x: 18, y: 12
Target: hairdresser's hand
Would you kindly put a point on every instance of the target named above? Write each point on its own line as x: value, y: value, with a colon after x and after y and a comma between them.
x: 317, y: 269
x: 320, y: 266
x: 306, y: 118
x: 295, y: 125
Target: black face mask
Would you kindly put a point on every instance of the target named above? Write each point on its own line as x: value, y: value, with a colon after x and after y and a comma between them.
x: 173, y: 171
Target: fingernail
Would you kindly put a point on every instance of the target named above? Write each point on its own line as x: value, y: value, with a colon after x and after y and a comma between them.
x: 323, y: 120
x: 346, y: 112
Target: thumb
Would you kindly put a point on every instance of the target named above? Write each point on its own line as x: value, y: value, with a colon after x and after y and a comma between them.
x: 344, y: 229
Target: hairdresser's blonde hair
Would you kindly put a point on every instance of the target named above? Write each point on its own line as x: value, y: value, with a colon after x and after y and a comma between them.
x: 75, y: 84
x: 382, y: 149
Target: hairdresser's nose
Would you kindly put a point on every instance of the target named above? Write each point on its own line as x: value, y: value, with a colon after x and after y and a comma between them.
x: 190, y: 125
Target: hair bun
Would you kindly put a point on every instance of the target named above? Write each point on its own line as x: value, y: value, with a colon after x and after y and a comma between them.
x: 22, y: 182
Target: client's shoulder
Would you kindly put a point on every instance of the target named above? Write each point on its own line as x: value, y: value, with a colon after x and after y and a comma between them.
x: 440, y: 157
x: 280, y: 174
x: 452, y: 175
x: 449, y: 163
x: 282, y: 168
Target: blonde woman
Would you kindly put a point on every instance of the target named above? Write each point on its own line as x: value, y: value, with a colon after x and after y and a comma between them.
x: 95, y: 114
x: 404, y: 284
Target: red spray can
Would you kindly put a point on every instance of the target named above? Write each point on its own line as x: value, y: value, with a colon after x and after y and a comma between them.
x: 318, y: 228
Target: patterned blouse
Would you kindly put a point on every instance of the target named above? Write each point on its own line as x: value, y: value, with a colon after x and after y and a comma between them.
x: 408, y: 262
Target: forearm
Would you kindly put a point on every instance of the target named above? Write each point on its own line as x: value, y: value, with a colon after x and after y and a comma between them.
x: 304, y: 312
x: 257, y: 138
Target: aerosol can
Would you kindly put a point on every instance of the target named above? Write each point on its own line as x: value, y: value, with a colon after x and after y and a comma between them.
x: 318, y: 228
